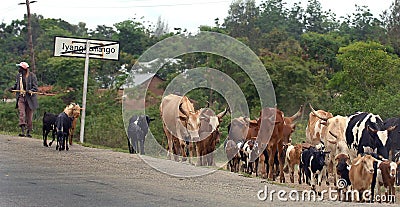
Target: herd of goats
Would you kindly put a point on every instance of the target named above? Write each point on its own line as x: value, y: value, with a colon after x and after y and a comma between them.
x: 360, y: 149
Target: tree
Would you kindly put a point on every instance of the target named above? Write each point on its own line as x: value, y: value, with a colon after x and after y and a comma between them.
x: 316, y: 20
x: 369, y: 69
x: 323, y: 47
x: 133, y: 36
x: 391, y: 22
x: 241, y: 22
x: 161, y: 28
x: 362, y: 25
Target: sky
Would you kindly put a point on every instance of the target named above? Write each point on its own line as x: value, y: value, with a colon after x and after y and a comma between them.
x: 189, y: 14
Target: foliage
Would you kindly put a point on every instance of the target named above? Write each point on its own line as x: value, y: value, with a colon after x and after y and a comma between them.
x: 366, y: 78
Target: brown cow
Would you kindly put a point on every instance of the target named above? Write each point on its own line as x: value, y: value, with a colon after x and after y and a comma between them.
x: 180, y: 123
x: 292, y: 158
x: 316, y: 127
x: 209, y: 136
x: 233, y: 155
x: 386, y: 175
x: 253, y: 129
x: 271, y: 134
x: 290, y: 125
x: 361, y: 173
x: 334, y: 139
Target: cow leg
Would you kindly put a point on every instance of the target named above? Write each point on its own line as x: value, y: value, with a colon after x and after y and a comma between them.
x: 200, y: 159
x: 299, y: 173
x: 262, y: 165
x: 169, y: 141
x: 183, y: 148
x: 271, y: 160
x: 281, y: 158
x: 176, y: 149
x: 291, y: 172
x: 312, y: 180
x: 210, y: 159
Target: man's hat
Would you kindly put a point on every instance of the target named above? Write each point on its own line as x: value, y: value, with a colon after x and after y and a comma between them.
x: 23, y: 65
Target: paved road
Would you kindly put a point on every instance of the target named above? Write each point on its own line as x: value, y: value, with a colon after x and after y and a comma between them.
x: 32, y: 175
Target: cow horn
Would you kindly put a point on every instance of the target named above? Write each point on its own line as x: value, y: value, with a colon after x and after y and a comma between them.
x: 183, y: 111
x: 389, y: 129
x: 316, y: 113
x: 334, y: 135
x: 222, y: 114
x: 297, y: 114
x: 372, y: 130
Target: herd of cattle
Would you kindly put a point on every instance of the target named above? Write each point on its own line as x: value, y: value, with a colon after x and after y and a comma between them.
x: 361, y: 149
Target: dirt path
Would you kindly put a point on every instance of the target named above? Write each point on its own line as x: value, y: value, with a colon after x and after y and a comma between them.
x: 32, y: 175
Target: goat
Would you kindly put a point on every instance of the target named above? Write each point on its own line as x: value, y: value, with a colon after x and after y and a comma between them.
x: 63, y: 125
x: 49, y: 124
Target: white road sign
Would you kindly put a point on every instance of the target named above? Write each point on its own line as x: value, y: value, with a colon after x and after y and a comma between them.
x: 75, y: 47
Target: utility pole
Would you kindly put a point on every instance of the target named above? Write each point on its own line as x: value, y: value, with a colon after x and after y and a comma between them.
x: 30, y: 41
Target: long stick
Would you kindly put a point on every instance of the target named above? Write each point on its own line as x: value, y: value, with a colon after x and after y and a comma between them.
x: 23, y: 91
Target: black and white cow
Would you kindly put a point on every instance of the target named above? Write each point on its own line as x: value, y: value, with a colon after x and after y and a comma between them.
x: 137, y: 131
x: 366, y: 130
x: 394, y: 136
x: 313, y: 165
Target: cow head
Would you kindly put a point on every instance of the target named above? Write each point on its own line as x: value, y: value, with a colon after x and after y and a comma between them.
x: 209, y: 123
x: 342, y: 160
x: 298, y: 148
x: 238, y: 129
x: 319, y: 156
x: 191, y: 121
x: 380, y: 139
x: 366, y: 161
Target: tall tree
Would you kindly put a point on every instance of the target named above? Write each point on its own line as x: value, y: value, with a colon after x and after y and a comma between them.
x: 317, y: 20
x: 391, y: 20
x: 241, y: 22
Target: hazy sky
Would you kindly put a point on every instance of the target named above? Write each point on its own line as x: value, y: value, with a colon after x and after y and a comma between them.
x: 177, y: 13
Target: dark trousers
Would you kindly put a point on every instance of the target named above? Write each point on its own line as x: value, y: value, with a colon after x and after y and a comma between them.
x: 25, y: 113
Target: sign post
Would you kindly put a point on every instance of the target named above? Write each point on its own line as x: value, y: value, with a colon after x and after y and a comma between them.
x: 74, y: 47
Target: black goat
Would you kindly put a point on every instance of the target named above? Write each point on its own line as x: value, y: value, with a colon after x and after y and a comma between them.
x: 49, y: 124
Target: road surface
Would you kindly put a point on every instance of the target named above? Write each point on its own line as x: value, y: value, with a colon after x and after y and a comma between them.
x: 33, y: 175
